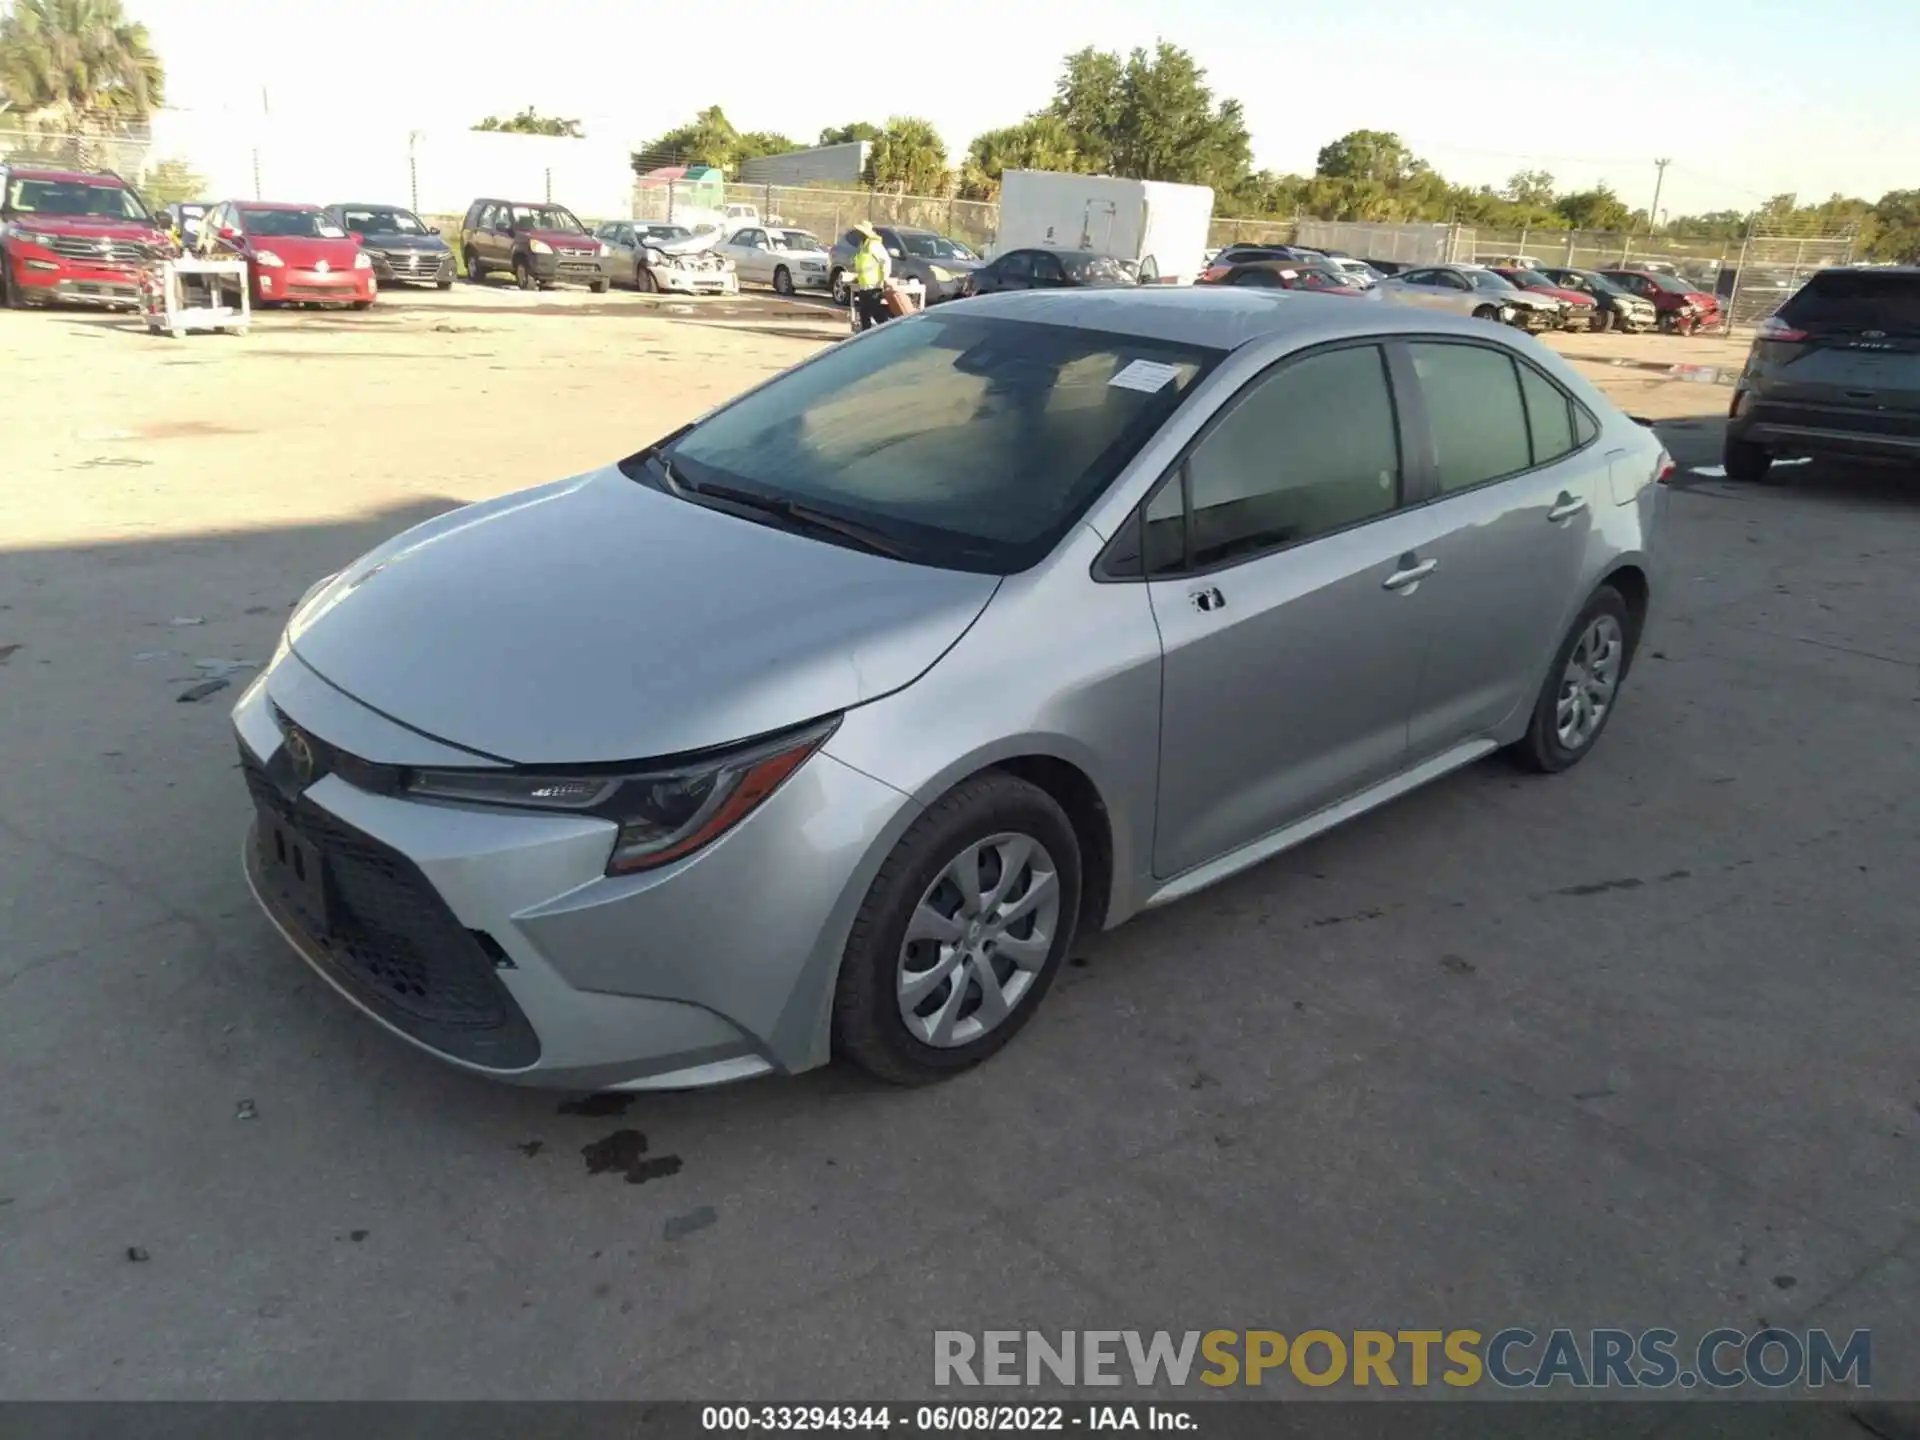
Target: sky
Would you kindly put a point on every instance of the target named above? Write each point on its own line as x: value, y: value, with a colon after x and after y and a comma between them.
x: 1747, y: 100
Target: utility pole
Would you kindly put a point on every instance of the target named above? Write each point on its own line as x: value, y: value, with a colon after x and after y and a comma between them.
x: 1659, y: 179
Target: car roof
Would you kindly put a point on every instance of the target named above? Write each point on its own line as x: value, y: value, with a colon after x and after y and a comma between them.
x: 1221, y: 317
x: 72, y: 177
x: 270, y: 205
x: 368, y: 205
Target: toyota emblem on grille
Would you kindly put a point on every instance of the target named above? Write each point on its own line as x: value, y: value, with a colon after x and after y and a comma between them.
x: 300, y: 752
x: 1873, y: 334
x: 321, y: 267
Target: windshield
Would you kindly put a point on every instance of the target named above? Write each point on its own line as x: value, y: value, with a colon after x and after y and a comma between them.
x: 664, y: 233
x: 545, y: 217
x: 972, y: 443
x: 794, y: 240
x: 1094, y: 267
x: 1672, y: 284
x: 73, y: 197
x: 1591, y: 280
x: 382, y: 221
x: 292, y: 224
x: 929, y: 246
x: 1531, y: 280
x: 1487, y: 280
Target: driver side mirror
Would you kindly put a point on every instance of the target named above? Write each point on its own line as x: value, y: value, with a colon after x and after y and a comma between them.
x: 357, y: 237
x: 227, y: 232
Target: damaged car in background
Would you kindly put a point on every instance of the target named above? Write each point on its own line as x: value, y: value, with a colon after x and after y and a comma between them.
x: 667, y: 258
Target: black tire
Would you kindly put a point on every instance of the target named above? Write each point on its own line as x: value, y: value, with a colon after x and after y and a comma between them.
x: 1601, y: 322
x: 837, y: 287
x: 782, y: 280
x: 8, y: 300
x: 363, y: 304
x: 1746, y: 461
x: 523, y: 275
x: 443, y: 284
x: 1486, y: 312
x: 600, y: 287
x: 643, y: 280
x: 868, y: 1028
x: 1667, y: 323
x: 1541, y: 748
x: 476, y: 272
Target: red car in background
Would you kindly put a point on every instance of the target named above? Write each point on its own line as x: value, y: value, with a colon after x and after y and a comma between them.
x: 294, y: 253
x: 1278, y: 275
x: 1580, y: 317
x: 72, y: 235
x: 1681, y: 306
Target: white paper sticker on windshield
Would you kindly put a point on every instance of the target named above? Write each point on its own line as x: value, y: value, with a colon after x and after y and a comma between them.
x: 1147, y: 375
x: 331, y: 232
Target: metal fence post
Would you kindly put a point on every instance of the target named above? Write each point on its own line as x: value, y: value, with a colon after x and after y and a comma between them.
x: 256, y: 172
x: 1525, y: 230
x: 1570, y: 235
x: 1626, y: 248
x: 1733, y: 294
x: 549, y: 174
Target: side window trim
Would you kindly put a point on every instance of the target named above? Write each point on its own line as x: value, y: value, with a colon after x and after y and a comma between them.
x: 1178, y: 472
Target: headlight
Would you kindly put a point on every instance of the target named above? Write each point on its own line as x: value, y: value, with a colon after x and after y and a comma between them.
x: 32, y: 237
x: 539, y: 247
x: 943, y: 276
x: 268, y: 259
x: 1506, y: 313
x: 362, y: 261
x: 604, y: 250
x: 664, y: 813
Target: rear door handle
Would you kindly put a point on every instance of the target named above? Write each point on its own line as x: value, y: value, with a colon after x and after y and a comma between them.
x: 1566, y: 507
x: 1208, y: 599
x: 1410, y: 574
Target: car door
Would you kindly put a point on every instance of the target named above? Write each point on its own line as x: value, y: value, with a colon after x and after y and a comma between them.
x: 1048, y: 273
x: 747, y: 249
x: 1516, y: 478
x: 1427, y: 289
x: 1014, y: 271
x: 1291, y: 650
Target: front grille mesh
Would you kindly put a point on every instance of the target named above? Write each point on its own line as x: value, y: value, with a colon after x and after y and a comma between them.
x: 396, y: 946
x: 117, y: 252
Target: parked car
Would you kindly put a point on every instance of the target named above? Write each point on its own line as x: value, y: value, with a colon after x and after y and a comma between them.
x: 401, y: 245
x: 1048, y: 270
x: 1614, y: 306
x: 1250, y: 584
x: 788, y: 260
x: 1508, y: 262
x: 183, y: 219
x: 1836, y: 371
x: 1681, y: 307
x: 295, y: 254
x: 1245, y: 250
x: 541, y: 245
x: 940, y: 263
x: 1472, y: 290
x: 1581, y: 309
x: 1394, y: 267
x: 1358, y: 272
x: 1279, y: 275
x: 667, y: 258
x: 73, y: 235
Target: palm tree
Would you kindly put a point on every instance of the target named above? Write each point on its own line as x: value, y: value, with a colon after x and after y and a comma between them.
x: 79, y: 68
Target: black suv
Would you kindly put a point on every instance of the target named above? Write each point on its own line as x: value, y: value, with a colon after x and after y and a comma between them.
x: 401, y: 245
x: 1836, y: 371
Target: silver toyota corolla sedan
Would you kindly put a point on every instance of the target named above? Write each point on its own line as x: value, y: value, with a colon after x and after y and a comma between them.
x: 822, y: 725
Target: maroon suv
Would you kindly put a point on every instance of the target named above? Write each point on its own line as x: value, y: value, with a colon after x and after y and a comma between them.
x: 1682, y: 306
x: 72, y: 235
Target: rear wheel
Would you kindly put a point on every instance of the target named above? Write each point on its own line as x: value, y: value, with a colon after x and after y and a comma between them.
x: 782, y: 280
x: 1746, y: 461
x: 965, y: 927
x: 1581, y: 689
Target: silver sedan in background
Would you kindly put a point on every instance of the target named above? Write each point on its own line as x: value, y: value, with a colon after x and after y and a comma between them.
x: 1473, y: 290
x: 786, y: 259
x: 660, y: 257
x: 822, y: 725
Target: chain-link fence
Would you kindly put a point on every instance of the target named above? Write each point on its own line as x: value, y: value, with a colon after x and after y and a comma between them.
x: 827, y: 211
x: 124, y: 154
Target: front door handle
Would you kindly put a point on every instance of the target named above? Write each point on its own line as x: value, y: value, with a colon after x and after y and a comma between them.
x: 1208, y: 599
x: 1566, y: 507
x: 1411, y: 573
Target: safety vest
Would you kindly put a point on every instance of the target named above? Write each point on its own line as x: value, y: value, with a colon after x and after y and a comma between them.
x: 869, y: 266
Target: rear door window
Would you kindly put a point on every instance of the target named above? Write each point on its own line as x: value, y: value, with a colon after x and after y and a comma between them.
x: 1549, y: 416
x: 1479, y: 420
x: 1856, y: 300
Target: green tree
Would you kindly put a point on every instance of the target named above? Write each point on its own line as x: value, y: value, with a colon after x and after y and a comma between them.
x: 530, y: 122
x: 708, y: 139
x: 78, y: 67
x: 1895, y: 227
x: 1086, y: 99
x: 1595, y: 209
x: 752, y: 144
x: 170, y: 181
x: 1532, y: 188
x: 909, y: 157
x: 1150, y: 116
x: 1040, y: 142
x: 847, y: 134
x: 1376, y: 155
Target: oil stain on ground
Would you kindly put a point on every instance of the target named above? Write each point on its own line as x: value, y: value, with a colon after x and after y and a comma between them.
x: 625, y: 1152
x: 597, y: 1107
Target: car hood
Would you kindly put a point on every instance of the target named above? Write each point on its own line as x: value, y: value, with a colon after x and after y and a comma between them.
x: 1572, y: 297
x: 303, y: 252
x: 597, y: 619
x: 571, y: 240
x: 395, y: 240
x: 89, y: 227
x: 1527, y: 300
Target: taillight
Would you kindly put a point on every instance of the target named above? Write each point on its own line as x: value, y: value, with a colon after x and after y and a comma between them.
x: 1215, y: 272
x: 1664, y: 471
x: 1774, y: 328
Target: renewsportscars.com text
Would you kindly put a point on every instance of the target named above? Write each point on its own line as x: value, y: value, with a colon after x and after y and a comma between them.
x: 1512, y: 1358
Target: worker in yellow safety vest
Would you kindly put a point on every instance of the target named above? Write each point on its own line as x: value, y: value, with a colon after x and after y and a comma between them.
x: 871, y: 267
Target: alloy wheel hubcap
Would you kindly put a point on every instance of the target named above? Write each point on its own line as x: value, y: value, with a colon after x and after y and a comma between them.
x: 1588, y: 684
x: 978, y: 940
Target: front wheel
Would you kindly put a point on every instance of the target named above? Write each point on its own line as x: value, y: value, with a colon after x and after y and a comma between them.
x: 523, y: 275
x: 1601, y: 322
x: 643, y: 280
x: 1581, y: 689
x: 443, y: 284
x: 963, y: 930
x: 476, y: 272
x: 9, y: 298
x: 1485, y: 312
x: 599, y: 287
x: 782, y: 280
x: 842, y: 292
x: 363, y: 304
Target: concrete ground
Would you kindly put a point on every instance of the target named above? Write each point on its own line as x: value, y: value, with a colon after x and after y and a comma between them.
x: 1632, y: 1046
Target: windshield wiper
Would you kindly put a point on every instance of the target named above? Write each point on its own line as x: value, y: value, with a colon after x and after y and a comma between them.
x: 797, y: 514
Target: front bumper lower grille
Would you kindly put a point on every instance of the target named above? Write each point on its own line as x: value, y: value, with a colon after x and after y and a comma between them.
x: 390, y: 940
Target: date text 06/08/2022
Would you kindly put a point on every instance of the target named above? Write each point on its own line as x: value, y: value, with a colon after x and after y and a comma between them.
x: 934, y: 1419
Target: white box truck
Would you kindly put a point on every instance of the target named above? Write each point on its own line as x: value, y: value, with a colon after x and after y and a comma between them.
x: 1153, y: 224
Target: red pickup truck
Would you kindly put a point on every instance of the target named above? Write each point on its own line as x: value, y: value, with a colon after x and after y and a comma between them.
x: 72, y: 235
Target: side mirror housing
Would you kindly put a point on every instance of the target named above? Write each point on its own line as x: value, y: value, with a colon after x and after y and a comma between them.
x: 358, y: 238
x: 227, y: 232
